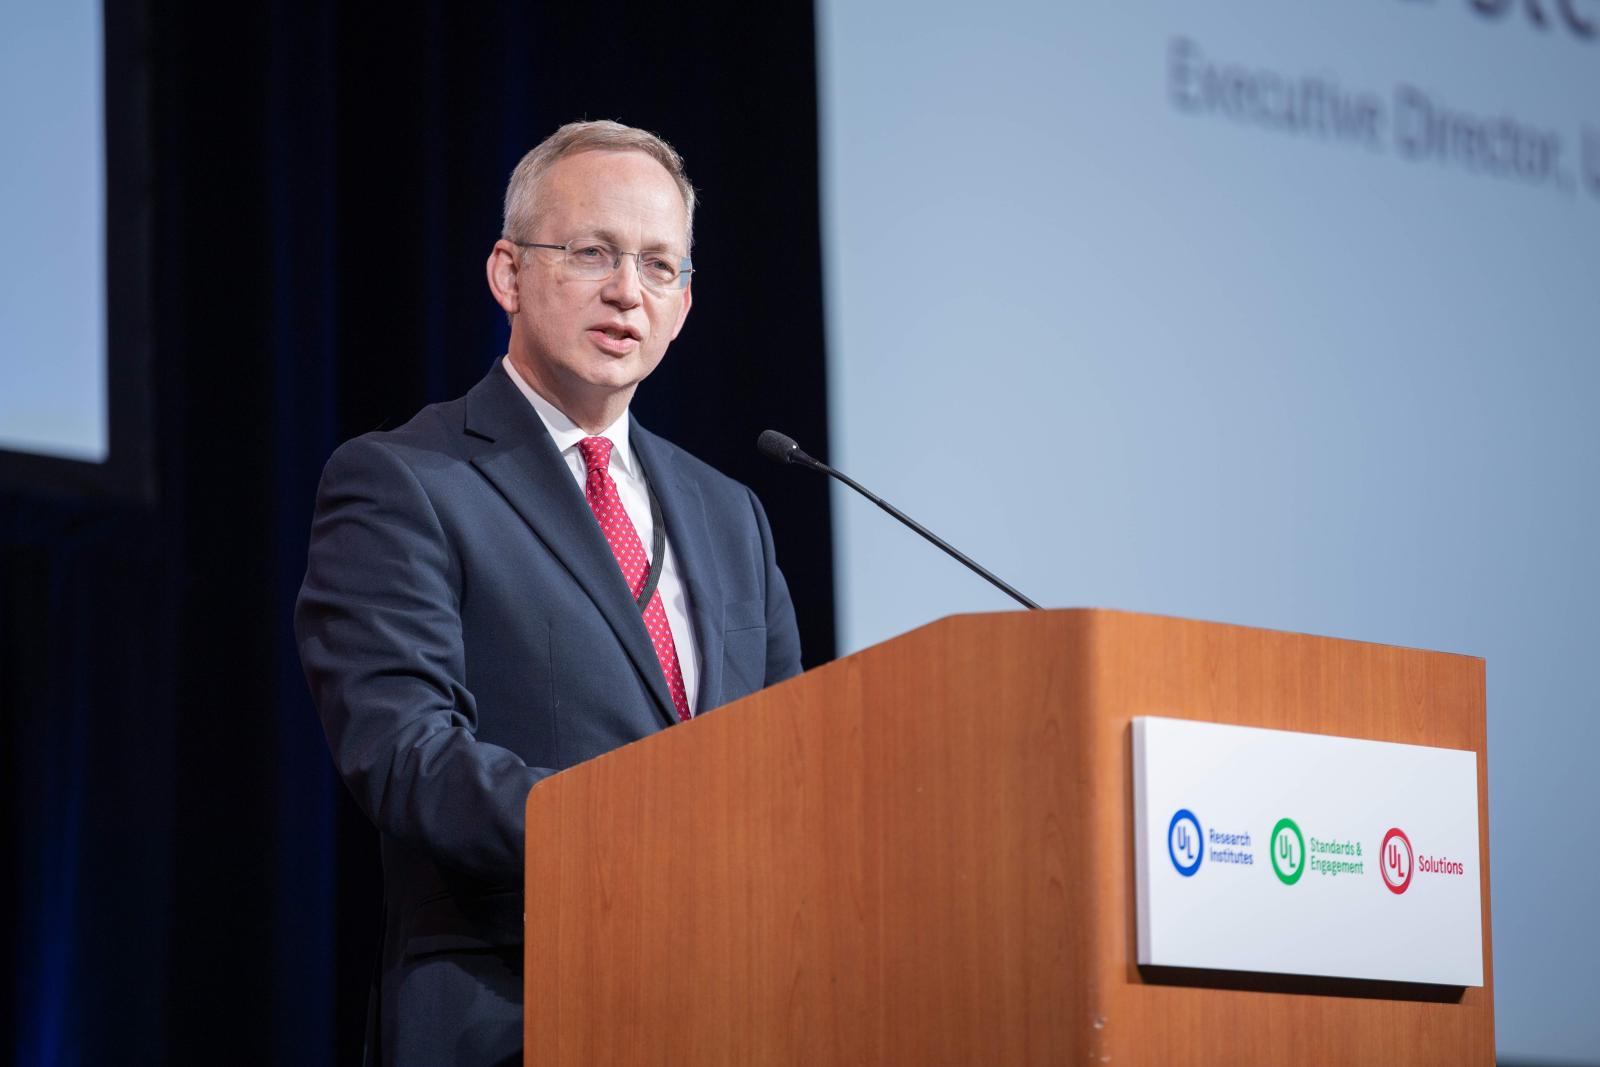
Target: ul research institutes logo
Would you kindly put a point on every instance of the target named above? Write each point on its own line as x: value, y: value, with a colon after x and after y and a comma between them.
x: 1184, y: 843
x: 1396, y: 859
x: 1287, y: 846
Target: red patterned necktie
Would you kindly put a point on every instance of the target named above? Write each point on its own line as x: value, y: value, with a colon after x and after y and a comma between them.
x: 629, y: 550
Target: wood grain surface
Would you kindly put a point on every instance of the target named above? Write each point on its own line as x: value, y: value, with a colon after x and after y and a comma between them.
x: 922, y: 854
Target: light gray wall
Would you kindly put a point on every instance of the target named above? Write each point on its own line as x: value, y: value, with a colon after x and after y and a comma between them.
x: 1193, y: 363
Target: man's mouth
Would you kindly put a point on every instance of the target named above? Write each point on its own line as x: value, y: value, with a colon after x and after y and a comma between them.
x: 613, y: 339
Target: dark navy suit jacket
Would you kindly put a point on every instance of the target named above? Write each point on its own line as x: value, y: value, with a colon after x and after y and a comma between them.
x: 466, y: 631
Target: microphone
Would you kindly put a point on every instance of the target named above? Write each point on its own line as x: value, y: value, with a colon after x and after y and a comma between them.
x: 780, y: 448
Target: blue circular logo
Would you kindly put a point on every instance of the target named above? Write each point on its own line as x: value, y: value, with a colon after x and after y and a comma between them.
x: 1184, y: 843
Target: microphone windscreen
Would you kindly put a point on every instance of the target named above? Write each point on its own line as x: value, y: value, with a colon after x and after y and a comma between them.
x: 776, y: 446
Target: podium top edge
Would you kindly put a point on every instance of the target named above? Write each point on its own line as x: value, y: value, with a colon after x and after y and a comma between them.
x: 1091, y: 613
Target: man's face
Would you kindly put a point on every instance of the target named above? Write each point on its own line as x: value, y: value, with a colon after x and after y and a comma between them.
x: 586, y: 344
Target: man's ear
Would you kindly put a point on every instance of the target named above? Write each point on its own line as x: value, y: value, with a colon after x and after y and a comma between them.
x: 683, y: 313
x: 504, y: 271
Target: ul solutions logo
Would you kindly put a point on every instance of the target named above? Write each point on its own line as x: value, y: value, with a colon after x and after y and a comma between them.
x: 1185, y: 844
x: 1395, y: 860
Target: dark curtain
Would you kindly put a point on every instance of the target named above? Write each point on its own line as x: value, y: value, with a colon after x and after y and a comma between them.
x: 189, y: 881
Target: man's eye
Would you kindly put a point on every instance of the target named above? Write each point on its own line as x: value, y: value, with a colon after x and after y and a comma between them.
x: 594, y: 252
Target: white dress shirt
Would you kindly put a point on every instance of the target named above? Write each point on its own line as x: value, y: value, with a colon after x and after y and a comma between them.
x: 635, y: 494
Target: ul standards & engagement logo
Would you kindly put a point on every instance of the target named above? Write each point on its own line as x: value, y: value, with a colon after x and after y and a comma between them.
x: 1184, y: 843
x: 1395, y: 860
x: 1287, y: 846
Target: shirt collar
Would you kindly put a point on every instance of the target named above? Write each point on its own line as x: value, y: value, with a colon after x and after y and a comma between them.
x: 567, y: 433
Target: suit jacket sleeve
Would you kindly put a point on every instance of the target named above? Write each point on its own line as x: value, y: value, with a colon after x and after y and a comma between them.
x: 379, y: 627
x: 783, y: 633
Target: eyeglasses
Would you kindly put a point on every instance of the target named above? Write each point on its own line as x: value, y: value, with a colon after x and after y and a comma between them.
x: 592, y: 259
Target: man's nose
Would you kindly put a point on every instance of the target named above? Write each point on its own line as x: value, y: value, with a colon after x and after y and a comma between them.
x: 623, y: 288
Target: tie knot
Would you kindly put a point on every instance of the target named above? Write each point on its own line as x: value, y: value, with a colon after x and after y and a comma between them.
x: 596, y: 453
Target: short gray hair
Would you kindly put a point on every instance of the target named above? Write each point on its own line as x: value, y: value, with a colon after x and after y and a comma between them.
x: 522, y: 211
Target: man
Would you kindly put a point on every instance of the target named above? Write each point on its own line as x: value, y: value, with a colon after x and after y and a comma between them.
x: 525, y: 578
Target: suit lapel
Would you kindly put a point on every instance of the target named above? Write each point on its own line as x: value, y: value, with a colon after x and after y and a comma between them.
x: 520, y: 460
x: 688, y: 530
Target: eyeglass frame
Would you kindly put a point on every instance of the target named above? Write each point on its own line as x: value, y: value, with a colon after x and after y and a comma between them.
x: 684, y: 272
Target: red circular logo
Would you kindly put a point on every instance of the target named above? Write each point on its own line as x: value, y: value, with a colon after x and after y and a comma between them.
x: 1395, y: 860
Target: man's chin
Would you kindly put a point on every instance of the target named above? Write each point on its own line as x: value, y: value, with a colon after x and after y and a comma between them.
x: 615, y: 374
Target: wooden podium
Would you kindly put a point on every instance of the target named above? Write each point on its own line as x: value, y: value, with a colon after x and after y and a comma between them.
x: 923, y: 854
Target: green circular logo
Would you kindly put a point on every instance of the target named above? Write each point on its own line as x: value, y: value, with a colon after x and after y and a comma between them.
x: 1288, y: 850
